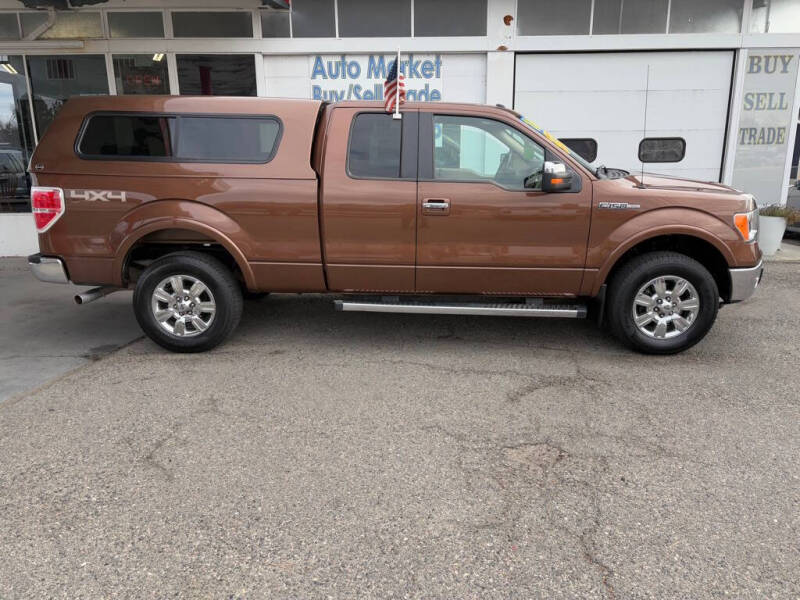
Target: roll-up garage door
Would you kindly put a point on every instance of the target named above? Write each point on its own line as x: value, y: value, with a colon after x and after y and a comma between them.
x: 601, y: 97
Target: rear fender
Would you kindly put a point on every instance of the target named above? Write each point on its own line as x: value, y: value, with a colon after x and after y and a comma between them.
x: 180, y: 214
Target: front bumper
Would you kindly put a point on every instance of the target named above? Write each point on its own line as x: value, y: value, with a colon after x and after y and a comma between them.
x: 48, y: 268
x: 745, y: 281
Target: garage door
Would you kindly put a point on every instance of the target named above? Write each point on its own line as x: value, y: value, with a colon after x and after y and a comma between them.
x: 601, y: 97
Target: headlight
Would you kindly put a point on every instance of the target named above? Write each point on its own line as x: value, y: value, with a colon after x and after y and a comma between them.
x: 747, y: 224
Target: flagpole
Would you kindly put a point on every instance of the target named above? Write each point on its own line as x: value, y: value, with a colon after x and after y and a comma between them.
x: 397, y: 114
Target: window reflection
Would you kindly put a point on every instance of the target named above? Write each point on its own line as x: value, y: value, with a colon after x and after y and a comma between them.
x: 16, y: 142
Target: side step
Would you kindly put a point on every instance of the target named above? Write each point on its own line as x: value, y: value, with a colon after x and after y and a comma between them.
x: 501, y: 309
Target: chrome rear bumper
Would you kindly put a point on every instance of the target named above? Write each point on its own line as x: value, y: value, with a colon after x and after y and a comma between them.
x: 48, y: 268
x: 745, y: 281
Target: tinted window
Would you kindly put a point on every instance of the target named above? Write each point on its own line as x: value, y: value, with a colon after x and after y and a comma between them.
x: 68, y: 24
x: 657, y: 150
x: 485, y: 151
x: 56, y: 78
x: 449, y: 17
x: 313, y: 18
x: 135, y: 25
x: 545, y: 17
x: 216, y: 74
x: 9, y: 28
x: 690, y: 16
x: 275, y: 23
x: 367, y: 18
x: 140, y: 74
x: 586, y: 147
x: 374, y: 146
x: 212, y: 24
x: 227, y: 139
x: 642, y: 16
x: 127, y: 135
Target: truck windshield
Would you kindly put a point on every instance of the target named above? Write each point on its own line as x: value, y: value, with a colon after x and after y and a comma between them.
x: 574, y: 155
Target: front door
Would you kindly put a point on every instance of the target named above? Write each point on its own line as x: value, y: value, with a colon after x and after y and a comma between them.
x: 480, y: 228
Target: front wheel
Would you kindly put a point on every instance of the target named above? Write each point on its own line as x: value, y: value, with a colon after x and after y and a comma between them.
x: 662, y: 302
x: 187, y: 302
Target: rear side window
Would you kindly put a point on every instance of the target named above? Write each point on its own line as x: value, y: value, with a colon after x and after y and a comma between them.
x: 375, y: 145
x: 181, y: 138
x: 227, y: 139
x: 128, y: 135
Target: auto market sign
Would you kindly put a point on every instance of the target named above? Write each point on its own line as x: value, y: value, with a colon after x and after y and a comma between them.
x: 361, y: 77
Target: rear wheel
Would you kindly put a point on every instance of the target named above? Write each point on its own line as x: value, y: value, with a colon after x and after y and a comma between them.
x: 187, y: 302
x: 662, y: 302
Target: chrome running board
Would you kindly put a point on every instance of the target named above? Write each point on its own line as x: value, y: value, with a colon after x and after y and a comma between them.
x: 500, y: 309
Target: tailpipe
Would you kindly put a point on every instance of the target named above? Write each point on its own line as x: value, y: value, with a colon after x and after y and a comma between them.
x: 94, y: 294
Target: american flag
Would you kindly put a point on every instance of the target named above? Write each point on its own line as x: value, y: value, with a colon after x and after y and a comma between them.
x: 390, y: 87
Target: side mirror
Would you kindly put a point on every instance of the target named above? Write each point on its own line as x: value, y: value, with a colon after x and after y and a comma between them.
x: 556, y: 177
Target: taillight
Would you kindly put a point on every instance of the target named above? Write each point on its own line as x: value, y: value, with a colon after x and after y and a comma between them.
x: 47, y: 204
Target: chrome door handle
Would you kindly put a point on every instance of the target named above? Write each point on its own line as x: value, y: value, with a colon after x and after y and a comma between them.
x: 436, y: 204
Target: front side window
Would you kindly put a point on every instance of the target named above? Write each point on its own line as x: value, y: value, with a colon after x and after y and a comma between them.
x: 375, y: 145
x: 179, y: 138
x: 485, y: 150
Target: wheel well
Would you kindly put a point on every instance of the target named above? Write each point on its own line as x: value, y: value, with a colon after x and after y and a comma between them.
x: 700, y: 250
x: 165, y: 241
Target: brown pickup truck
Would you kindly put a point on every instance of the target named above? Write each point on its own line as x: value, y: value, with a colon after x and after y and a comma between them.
x: 452, y: 208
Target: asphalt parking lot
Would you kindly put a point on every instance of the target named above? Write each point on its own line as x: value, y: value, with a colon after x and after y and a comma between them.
x: 344, y: 455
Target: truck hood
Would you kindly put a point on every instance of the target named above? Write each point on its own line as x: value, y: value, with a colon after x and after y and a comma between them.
x: 667, y: 182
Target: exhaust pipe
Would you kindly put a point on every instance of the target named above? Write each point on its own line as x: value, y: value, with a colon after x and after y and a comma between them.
x: 94, y: 294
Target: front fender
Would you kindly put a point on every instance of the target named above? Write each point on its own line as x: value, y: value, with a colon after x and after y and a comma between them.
x: 611, y: 246
x: 180, y: 214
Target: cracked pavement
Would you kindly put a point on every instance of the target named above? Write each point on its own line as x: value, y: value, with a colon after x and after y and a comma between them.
x: 340, y: 455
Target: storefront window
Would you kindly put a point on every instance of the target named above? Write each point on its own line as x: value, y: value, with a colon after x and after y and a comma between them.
x: 9, y: 26
x: 450, y: 17
x: 55, y: 78
x: 717, y: 16
x: 68, y: 24
x: 135, y: 25
x: 775, y: 16
x: 543, y: 17
x: 141, y: 73
x: 642, y: 16
x: 217, y: 74
x: 367, y: 18
x: 16, y: 139
x: 313, y: 18
x: 212, y: 24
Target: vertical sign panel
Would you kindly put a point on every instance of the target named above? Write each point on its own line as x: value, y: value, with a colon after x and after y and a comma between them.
x: 767, y: 114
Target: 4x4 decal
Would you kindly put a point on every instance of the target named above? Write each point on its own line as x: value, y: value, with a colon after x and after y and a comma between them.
x: 97, y: 195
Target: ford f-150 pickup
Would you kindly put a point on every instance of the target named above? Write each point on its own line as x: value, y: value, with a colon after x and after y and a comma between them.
x: 452, y: 208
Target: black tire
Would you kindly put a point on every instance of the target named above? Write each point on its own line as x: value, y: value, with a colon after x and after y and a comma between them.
x: 214, y: 275
x: 627, y: 282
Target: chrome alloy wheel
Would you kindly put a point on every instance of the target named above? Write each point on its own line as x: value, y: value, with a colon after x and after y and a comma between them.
x: 183, y: 305
x: 665, y: 307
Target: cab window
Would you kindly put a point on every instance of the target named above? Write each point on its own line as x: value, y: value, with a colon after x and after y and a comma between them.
x: 375, y: 147
x: 484, y: 150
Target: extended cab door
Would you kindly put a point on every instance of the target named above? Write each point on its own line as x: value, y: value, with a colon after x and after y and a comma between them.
x: 368, y: 200
x: 480, y: 229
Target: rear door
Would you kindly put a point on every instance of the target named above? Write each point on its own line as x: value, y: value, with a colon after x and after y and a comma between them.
x: 480, y: 230
x: 368, y: 200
